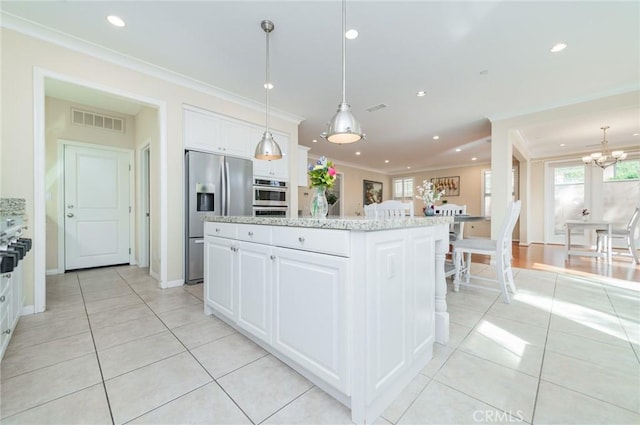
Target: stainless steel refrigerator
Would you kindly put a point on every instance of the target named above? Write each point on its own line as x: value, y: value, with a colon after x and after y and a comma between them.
x: 215, y: 185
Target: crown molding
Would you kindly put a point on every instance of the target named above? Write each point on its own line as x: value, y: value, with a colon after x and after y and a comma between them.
x: 40, y: 32
x: 348, y: 164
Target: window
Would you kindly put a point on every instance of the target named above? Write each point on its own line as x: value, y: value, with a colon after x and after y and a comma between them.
x: 403, y: 189
x: 486, y: 190
x: 620, y: 190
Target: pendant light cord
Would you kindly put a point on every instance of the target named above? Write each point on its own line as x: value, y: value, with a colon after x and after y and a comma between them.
x: 266, y: 83
x: 344, y: 49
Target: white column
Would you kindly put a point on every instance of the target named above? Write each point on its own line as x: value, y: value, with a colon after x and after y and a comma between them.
x: 501, y: 185
x: 442, y: 315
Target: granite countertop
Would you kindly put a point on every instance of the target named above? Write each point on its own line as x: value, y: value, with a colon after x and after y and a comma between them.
x: 343, y: 223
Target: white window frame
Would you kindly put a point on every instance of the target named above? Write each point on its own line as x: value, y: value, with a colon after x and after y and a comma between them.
x: 515, y: 176
x: 406, y: 195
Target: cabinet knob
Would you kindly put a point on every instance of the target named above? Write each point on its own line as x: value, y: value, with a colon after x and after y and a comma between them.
x: 301, y: 239
x: 69, y: 215
x: 2, y: 298
x: 217, y: 230
x: 250, y: 234
x: 7, y: 275
x: 273, y: 257
x: 8, y: 331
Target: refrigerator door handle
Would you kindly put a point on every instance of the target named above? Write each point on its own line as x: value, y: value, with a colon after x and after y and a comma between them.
x: 227, y: 189
x: 199, y: 241
x: 223, y: 187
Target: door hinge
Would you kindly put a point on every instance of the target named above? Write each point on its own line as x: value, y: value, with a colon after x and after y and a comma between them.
x: 129, y: 209
x: 129, y: 251
x: 129, y: 167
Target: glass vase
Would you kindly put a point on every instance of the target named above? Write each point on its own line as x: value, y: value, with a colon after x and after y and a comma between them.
x: 319, y: 206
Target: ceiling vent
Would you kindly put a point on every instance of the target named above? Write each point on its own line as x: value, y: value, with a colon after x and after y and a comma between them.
x: 376, y: 108
x: 91, y: 119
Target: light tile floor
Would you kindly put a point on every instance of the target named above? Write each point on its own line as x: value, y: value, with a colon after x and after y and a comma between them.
x: 113, y: 348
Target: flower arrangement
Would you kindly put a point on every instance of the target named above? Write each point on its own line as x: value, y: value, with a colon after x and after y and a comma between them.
x: 322, y: 173
x: 427, y: 193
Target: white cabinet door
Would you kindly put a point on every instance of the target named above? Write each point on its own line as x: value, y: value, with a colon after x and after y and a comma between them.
x: 236, y: 137
x: 255, y: 272
x: 309, y: 317
x: 220, y: 270
x: 202, y: 132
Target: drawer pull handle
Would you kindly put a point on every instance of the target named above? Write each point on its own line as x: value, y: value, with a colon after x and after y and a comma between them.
x: 301, y: 239
x: 217, y: 230
x: 7, y: 275
x: 250, y: 234
x: 2, y: 298
x: 8, y: 331
x: 273, y: 257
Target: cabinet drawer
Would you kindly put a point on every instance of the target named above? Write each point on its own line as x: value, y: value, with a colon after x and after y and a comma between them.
x: 254, y: 233
x: 334, y: 242
x: 222, y: 230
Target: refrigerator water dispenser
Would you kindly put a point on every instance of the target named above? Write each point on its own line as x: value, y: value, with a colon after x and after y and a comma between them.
x: 204, y: 197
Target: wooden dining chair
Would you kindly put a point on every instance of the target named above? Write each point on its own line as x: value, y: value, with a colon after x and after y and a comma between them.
x: 500, y: 249
x: 627, y: 233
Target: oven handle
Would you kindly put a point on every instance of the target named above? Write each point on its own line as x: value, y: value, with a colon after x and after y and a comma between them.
x: 270, y: 188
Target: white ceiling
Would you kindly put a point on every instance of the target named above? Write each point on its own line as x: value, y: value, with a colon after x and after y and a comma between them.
x: 476, y: 60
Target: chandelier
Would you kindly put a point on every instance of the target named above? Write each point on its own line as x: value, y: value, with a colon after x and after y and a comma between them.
x: 606, y: 157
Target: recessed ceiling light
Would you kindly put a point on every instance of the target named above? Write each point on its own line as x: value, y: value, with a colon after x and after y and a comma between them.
x: 436, y: 137
x: 421, y: 93
x: 115, y: 21
x: 351, y: 34
x: 386, y: 161
x: 268, y: 86
x: 562, y: 144
x: 558, y: 48
x: 458, y: 150
x: 357, y: 153
x: 314, y: 141
x: 408, y: 168
x: 474, y: 158
x: 635, y: 134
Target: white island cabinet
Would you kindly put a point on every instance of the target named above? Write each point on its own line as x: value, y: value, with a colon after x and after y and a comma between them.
x: 354, y: 305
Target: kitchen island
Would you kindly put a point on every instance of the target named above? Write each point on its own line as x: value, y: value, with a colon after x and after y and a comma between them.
x: 352, y: 304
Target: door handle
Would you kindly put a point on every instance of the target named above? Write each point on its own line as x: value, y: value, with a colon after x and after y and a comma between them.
x: 69, y: 215
x: 199, y: 241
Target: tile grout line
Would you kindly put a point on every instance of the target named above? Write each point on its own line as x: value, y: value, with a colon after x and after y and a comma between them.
x: 188, y: 351
x: 544, y: 352
x: 287, y: 404
x: 104, y: 384
x: 621, y: 325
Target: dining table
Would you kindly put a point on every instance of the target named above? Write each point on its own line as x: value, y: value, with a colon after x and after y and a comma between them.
x: 464, y: 218
x: 586, y: 251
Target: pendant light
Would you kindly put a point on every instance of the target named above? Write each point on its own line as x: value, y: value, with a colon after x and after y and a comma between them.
x: 344, y: 127
x: 267, y: 148
x: 604, y: 158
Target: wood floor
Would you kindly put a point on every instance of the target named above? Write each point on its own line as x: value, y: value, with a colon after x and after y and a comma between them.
x: 551, y: 258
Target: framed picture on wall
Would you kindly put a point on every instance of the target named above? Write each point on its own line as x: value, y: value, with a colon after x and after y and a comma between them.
x: 451, y: 185
x: 371, y: 192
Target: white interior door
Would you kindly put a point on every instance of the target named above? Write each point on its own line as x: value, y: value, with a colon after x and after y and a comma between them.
x: 96, y: 207
x: 567, y: 197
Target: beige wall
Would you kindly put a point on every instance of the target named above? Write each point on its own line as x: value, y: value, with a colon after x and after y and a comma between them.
x: 147, y: 132
x: 21, y: 54
x: 58, y: 127
x: 352, y: 185
x: 470, y: 193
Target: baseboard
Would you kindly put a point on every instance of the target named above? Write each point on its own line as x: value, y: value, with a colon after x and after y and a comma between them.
x: 174, y: 283
x: 50, y: 272
x: 524, y: 244
x: 27, y: 309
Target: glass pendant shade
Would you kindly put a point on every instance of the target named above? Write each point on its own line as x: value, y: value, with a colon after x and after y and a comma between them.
x: 267, y: 148
x: 606, y: 157
x: 344, y: 127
